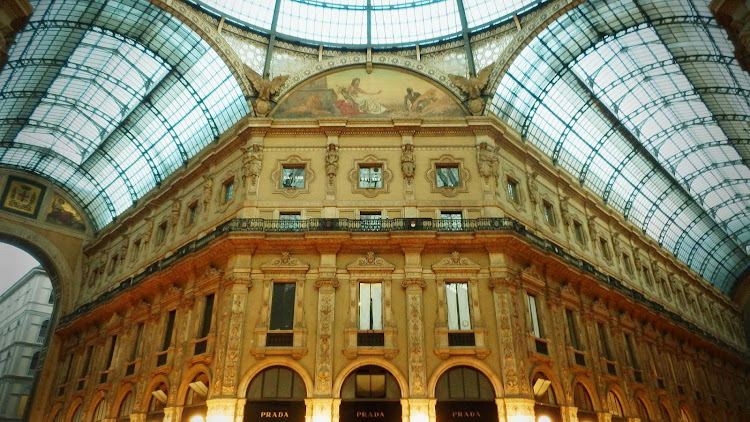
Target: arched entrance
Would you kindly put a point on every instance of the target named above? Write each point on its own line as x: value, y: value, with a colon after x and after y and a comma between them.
x: 465, y: 394
x: 126, y: 408
x: 100, y: 411
x: 643, y: 413
x: 370, y: 393
x: 195, y: 400
x: 276, y: 394
x: 546, y: 407
x: 157, y: 403
x: 583, y: 402
x: 615, y: 407
x: 664, y: 413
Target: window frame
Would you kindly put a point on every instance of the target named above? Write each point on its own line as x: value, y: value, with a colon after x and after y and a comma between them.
x: 440, y: 181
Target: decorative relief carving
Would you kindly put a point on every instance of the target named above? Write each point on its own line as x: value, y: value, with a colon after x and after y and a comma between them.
x: 417, y: 371
x: 324, y: 358
x: 408, y: 167
x: 488, y: 163
x: 265, y: 88
x: 332, y: 165
x: 473, y: 87
x: 252, y: 162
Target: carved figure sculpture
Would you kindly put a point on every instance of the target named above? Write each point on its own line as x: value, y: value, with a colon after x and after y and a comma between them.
x: 407, y: 162
x: 265, y: 89
x: 473, y: 87
x: 252, y: 163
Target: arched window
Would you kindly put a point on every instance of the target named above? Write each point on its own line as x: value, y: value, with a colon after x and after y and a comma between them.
x: 158, y: 401
x: 464, y: 383
x: 100, y: 412
x: 34, y: 362
x: 543, y: 391
x: 642, y: 410
x: 126, y: 408
x: 277, y: 382
x: 370, y: 382
x: 276, y: 392
x: 77, y: 414
x: 582, y: 401
x: 664, y: 413
x: 684, y: 416
x: 614, y: 405
x: 195, y: 400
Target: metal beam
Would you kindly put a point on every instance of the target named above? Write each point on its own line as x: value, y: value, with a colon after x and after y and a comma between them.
x: 466, y: 35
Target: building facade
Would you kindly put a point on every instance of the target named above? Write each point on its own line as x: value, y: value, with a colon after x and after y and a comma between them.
x: 25, y: 310
x: 425, y: 270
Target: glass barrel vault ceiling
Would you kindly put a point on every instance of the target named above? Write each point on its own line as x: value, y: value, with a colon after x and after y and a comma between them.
x: 645, y: 103
x: 351, y: 22
x: 108, y: 97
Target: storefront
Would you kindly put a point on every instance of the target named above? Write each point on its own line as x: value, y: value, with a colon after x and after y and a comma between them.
x: 546, y: 408
x: 582, y: 401
x: 157, y: 403
x: 195, y: 408
x: 276, y: 395
x: 465, y: 395
x: 370, y: 393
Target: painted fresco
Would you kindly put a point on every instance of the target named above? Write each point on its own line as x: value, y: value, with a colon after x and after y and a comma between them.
x: 22, y: 196
x: 62, y: 213
x: 354, y: 93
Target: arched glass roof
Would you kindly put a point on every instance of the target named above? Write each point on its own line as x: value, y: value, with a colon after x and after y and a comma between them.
x: 354, y: 23
x: 645, y: 103
x: 108, y: 97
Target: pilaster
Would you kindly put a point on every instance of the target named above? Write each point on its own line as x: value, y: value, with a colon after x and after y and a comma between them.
x: 172, y: 413
x: 421, y: 410
x: 569, y: 413
x: 222, y: 410
x: 230, y: 330
x: 519, y: 410
x: 326, y: 285
x: 414, y: 284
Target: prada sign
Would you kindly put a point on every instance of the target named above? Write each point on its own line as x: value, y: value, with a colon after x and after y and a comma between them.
x: 370, y: 411
x: 275, y: 411
x: 466, y: 411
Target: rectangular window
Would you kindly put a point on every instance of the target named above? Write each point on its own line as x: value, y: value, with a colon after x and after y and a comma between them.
x: 293, y: 177
x: 447, y: 176
x: 370, y: 306
x: 87, y: 362
x: 161, y: 233
x: 451, y: 220
x: 370, y: 220
x: 227, y: 189
x: 167, y: 341
x: 192, y: 216
x: 549, y: 213
x: 371, y: 176
x: 457, y: 298
x: 604, y: 344
x: 578, y: 231
x: 572, y: 330
x: 208, y: 310
x: 647, y: 275
x: 513, y: 194
x: 626, y: 262
x: 136, y: 346
x: 111, y: 354
x: 113, y: 263
x: 282, y: 306
x: 136, y: 249
x: 604, y: 247
x: 630, y: 352
x: 534, y: 323
x: 289, y: 221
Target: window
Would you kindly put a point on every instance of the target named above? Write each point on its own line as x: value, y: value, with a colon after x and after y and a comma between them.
x: 626, y: 262
x: 227, y: 189
x: 43, y: 331
x: 370, y: 176
x: 113, y: 263
x: 111, y: 354
x: 208, y: 307
x: 604, y: 344
x: 167, y: 340
x: 192, y: 213
x: 578, y: 231
x: 370, y: 220
x: 457, y: 298
x: 549, y: 213
x: 290, y: 221
x: 513, y: 193
x: 34, y: 362
x: 464, y: 383
x: 451, y: 220
x: 647, y: 275
x: 369, y: 384
x: 573, y: 340
x: 604, y: 247
x: 630, y: 352
x: 136, y: 346
x: 136, y: 249
x: 370, y: 306
x: 534, y: 323
x: 51, y: 297
x: 293, y: 177
x: 161, y: 233
x: 447, y: 176
x: 282, y: 306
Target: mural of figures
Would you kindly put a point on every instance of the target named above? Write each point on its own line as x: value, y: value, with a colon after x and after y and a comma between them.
x: 62, y: 213
x: 354, y: 93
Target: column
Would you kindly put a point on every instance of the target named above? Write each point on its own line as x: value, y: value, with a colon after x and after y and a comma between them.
x: 414, y: 284
x: 322, y: 409
x: 172, y: 413
x: 326, y: 283
x: 569, y: 413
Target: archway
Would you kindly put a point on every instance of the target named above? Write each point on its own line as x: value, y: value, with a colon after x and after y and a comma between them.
x: 545, y: 398
x: 195, y: 399
x: 665, y: 416
x: 582, y: 400
x: 465, y: 394
x: 276, y: 393
x: 157, y: 403
x: 643, y: 412
x: 614, y: 405
x: 126, y: 408
x: 100, y: 411
x: 76, y: 417
x: 684, y: 415
x: 372, y: 393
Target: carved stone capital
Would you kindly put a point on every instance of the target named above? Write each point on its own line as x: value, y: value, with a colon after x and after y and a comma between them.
x: 413, y: 281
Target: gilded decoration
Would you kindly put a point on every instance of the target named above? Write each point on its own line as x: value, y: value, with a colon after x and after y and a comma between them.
x: 354, y: 93
x: 22, y: 196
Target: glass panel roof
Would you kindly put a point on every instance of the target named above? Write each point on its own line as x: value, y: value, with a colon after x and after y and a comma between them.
x: 109, y: 97
x: 348, y: 22
x: 644, y: 102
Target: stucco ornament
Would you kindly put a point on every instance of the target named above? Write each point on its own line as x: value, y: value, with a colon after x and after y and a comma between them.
x: 473, y: 86
x: 265, y: 88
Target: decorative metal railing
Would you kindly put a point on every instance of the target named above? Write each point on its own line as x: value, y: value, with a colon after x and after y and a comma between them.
x: 239, y: 225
